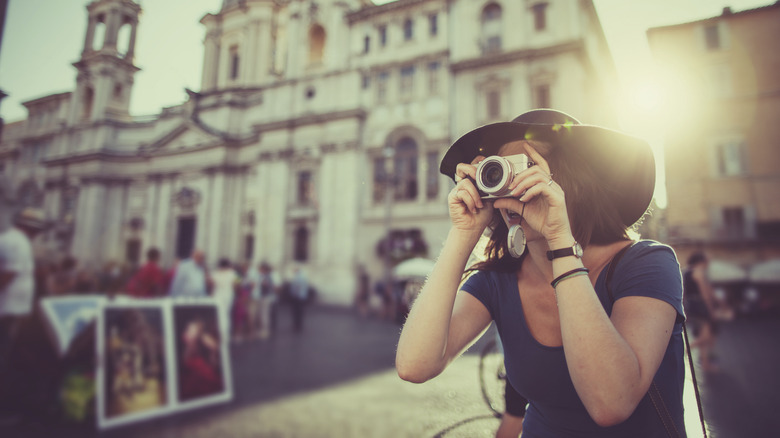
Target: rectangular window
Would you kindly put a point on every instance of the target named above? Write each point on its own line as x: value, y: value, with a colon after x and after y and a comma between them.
x: 381, y: 87
x: 382, y: 35
x: 234, y: 62
x: 433, y: 77
x: 408, y: 29
x: 366, y: 44
x: 733, y: 222
x: 433, y: 24
x: 493, y: 99
x: 542, y: 96
x: 492, y: 45
x: 380, y: 180
x: 249, y: 247
x: 407, y: 80
x: 305, y: 188
x: 712, y: 37
x: 540, y: 16
x: 729, y: 158
x: 366, y: 81
x: 432, y: 175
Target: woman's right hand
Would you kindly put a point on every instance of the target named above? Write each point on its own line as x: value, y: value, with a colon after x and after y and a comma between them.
x: 468, y: 211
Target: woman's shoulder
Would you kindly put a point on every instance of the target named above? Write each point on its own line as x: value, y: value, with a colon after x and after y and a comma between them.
x: 650, y: 249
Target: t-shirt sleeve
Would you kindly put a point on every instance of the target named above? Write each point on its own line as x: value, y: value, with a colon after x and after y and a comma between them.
x: 650, y: 269
x: 480, y: 285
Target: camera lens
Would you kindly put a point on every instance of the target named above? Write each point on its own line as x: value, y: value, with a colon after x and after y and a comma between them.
x: 492, y: 174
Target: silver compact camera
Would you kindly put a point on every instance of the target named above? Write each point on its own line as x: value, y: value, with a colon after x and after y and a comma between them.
x: 495, y: 174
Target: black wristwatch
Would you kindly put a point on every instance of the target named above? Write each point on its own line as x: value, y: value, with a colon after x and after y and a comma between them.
x: 574, y: 250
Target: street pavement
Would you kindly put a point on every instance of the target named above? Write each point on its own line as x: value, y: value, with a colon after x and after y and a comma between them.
x: 336, y: 379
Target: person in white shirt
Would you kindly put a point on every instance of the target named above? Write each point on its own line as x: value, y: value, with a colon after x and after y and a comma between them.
x: 189, y: 280
x: 17, y: 288
x: 224, y: 279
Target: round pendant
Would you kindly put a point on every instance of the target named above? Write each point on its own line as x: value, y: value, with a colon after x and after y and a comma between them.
x: 516, y: 241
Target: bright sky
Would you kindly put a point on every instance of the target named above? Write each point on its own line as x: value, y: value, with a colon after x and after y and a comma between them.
x: 43, y: 38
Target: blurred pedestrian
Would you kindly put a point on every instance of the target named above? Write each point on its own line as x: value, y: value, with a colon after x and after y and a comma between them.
x: 362, y: 296
x: 241, y: 321
x: 299, y: 295
x: 149, y: 280
x: 224, y: 278
x: 701, y: 309
x: 17, y: 289
x: 189, y: 279
x: 265, y: 294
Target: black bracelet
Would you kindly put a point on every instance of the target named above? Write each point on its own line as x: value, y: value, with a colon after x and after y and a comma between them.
x: 566, y: 275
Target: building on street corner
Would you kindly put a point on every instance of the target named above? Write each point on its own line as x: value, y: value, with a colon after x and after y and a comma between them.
x: 315, y: 137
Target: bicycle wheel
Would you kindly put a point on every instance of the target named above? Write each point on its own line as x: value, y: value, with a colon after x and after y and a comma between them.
x: 492, y: 378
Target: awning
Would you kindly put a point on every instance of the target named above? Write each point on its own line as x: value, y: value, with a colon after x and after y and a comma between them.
x: 766, y: 272
x: 724, y: 272
x: 417, y: 267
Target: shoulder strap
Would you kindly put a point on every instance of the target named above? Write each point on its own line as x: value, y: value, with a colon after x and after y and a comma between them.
x: 611, y: 268
x: 653, y: 392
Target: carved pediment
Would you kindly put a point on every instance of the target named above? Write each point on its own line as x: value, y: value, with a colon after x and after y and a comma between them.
x: 185, y: 136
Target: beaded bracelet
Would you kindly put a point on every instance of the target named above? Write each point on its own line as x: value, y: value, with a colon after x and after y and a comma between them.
x: 569, y: 274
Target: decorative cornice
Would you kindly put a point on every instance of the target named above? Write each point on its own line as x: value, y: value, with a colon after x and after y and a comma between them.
x: 517, y: 55
x: 370, y: 11
x: 311, y: 119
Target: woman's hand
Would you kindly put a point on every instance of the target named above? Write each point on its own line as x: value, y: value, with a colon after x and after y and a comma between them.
x: 545, y: 209
x: 468, y: 211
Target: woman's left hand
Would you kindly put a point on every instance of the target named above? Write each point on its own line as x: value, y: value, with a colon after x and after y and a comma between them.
x: 545, y: 209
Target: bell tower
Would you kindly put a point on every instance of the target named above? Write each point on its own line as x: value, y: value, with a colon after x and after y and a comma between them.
x: 105, y: 70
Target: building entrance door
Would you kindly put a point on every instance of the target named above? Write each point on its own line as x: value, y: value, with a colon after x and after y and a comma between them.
x: 185, y: 237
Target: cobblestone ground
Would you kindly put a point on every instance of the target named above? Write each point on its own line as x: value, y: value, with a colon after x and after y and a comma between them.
x: 379, y: 405
x: 336, y: 380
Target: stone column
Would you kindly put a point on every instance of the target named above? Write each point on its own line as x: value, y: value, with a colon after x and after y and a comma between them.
x: 88, y: 39
x: 131, y: 45
x: 216, y: 216
x: 112, y: 29
x: 165, y: 241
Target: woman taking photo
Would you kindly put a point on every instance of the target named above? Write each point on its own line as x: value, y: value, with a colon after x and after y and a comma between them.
x: 584, y: 350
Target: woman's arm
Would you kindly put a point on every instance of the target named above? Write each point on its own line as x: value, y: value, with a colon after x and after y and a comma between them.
x: 442, y: 322
x: 612, y: 362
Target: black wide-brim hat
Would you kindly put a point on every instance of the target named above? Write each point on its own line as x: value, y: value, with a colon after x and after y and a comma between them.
x: 625, y: 162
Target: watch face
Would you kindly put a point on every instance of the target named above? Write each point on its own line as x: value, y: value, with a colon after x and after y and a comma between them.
x: 578, y: 250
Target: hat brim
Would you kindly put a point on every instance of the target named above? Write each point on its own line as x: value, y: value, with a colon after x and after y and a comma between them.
x: 625, y: 162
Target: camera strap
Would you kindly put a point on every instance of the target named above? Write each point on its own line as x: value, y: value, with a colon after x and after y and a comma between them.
x: 654, y: 394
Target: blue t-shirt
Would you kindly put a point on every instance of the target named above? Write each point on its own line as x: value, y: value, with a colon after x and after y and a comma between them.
x: 539, y: 372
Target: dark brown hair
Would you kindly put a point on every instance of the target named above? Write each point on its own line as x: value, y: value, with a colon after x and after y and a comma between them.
x: 594, y: 219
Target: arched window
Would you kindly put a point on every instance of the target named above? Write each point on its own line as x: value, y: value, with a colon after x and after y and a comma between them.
x: 123, y: 38
x: 406, y: 169
x: 301, y: 244
x: 316, y: 44
x: 99, y: 35
x: 491, y: 28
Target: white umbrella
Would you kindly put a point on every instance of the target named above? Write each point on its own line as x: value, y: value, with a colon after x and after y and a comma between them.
x: 412, y: 268
x: 723, y: 272
x: 766, y: 272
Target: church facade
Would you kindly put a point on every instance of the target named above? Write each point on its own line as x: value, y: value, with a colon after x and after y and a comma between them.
x: 315, y: 138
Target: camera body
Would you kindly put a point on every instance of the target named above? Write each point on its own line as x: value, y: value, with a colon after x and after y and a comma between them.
x: 495, y: 174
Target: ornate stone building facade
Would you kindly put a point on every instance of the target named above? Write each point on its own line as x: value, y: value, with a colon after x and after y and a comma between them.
x: 317, y: 131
